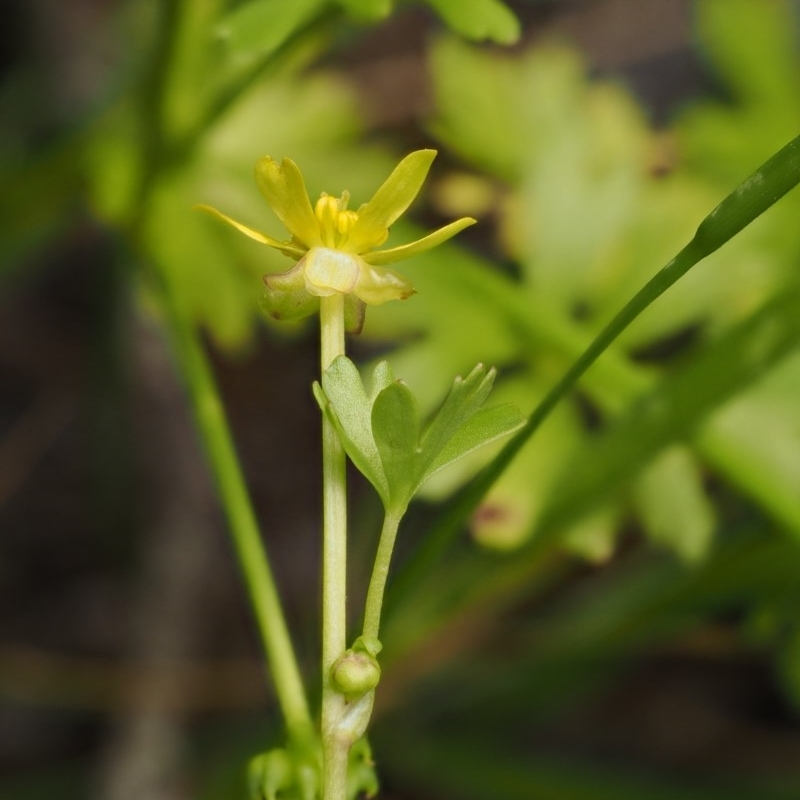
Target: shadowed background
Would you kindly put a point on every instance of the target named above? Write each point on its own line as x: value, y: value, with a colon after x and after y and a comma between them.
x: 651, y: 661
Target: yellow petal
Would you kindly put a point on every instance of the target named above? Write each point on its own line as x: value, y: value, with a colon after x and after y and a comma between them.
x: 285, y: 192
x: 284, y: 247
x: 389, y: 202
x: 393, y: 254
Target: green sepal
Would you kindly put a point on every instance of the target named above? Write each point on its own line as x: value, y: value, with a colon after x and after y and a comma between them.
x: 285, y: 296
x: 285, y: 299
x: 354, y: 313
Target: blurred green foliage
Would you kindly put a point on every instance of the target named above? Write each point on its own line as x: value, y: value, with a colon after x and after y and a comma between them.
x: 576, y: 157
x: 582, y: 202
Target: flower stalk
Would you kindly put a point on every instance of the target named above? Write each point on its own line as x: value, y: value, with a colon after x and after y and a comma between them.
x: 380, y: 573
x: 334, y: 565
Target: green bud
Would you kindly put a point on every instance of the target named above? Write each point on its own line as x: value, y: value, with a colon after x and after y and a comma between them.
x: 355, y: 673
x: 269, y: 774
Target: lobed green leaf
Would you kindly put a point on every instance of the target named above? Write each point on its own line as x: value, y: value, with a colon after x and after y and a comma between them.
x: 465, y: 397
x: 343, y: 399
x: 381, y: 431
x: 485, y: 426
x: 395, y: 427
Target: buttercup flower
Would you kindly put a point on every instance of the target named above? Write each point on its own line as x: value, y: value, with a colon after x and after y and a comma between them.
x: 336, y: 248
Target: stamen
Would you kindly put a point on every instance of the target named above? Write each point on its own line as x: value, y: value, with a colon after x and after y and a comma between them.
x: 327, y: 214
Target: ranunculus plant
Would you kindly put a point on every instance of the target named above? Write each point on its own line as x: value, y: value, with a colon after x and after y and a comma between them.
x: 338, y: 271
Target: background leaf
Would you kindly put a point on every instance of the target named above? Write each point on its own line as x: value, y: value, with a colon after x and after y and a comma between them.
x: 625, y: 670
x: 259, y: 27
x: 479, y: 19
x: 674, y: 507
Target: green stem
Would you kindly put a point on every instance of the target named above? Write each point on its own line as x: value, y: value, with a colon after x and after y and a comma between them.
x: 380, y: 572
x: 209, y: 415
x: 259, y: 581
x: 334, y: 566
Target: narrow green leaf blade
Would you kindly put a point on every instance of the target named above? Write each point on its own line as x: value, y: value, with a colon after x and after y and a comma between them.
x: 771, y: 181
x: 777, y: 176
x: 675, y: 408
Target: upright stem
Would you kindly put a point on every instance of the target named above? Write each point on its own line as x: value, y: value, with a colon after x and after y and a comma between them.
x: 334, y: 565
x: 260, y: 583
x: 380, y: 572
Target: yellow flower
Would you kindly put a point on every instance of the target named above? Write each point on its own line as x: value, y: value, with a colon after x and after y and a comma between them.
x: 336, y: 248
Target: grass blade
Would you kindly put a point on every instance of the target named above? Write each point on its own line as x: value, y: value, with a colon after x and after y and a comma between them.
x: 749, y: 200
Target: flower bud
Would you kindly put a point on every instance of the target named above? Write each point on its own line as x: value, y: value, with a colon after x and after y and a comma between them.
x: 355, y: 673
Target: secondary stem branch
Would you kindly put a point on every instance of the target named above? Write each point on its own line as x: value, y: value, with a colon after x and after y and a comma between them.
x: 380, y: 573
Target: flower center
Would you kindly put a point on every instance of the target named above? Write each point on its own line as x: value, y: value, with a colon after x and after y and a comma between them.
x: 335, y: 221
